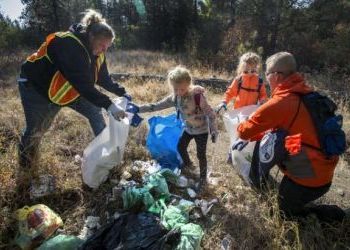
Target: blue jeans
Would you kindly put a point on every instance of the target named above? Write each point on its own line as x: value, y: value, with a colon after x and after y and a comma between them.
x: 39, y: 114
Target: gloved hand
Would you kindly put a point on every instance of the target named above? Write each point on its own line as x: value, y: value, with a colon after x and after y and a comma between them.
x: 127, y: 96
x: 214, y: 136
x: 221, y: 106
x: 117, y: 112
x: 132, y: 108
x: 239, y: 144
x: 136, y: 120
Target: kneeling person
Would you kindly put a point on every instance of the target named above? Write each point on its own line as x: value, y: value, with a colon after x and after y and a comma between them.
x: 308, y: 174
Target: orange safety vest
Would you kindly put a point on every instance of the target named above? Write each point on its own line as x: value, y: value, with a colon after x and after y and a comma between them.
x: 247, y: 90
x: 61, y: 91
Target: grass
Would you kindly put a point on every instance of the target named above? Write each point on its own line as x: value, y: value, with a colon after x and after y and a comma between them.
x: 250, y: 220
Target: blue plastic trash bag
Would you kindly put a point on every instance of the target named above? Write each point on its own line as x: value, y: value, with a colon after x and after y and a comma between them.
x: 162, y: 140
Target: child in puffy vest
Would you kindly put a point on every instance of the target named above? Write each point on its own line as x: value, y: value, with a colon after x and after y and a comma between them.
x: 196, y: 113
x: 247, y: 88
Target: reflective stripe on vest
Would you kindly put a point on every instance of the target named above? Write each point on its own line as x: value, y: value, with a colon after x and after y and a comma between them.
x: 61, y: 91
x: 42, y: 51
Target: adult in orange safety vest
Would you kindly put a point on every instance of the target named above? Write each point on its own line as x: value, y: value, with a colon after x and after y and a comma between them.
x: 63, y: 72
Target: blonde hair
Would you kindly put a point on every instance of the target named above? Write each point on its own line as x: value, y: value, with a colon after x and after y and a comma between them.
x: 178, y: 75
x: 96, y: 25
x: 283, y: 62
x: 249, y: 58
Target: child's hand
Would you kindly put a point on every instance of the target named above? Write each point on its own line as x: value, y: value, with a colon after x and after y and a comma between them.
x: 222, y: 105
x: 127, y: 96
x: 136, y: 120
x: 116, y: 112
x: 132, y: 108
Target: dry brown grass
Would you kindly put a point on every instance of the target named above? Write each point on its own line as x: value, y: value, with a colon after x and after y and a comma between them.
x: 251, y: 219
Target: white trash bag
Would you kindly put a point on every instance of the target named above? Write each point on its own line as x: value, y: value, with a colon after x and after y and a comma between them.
x: 107, y: 149
x: 241, y: 160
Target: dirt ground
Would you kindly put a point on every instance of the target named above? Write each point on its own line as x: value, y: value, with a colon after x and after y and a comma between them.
x: 248, y: 219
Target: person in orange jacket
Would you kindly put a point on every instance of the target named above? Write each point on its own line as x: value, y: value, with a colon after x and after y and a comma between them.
x: 247, y: 88
x: 308, y: 173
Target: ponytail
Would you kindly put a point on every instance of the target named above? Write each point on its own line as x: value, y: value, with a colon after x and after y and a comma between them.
x: 96, y: 25
x: 90, y: 17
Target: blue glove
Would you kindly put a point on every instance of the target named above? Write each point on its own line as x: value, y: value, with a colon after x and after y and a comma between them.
x: 132, y: 108
x: 136, y: 120
x: 222, y: 105
x: 239, y: 144
x: 127, y: 96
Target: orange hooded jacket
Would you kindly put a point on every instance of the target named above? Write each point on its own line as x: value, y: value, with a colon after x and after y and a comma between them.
x: 249, y: 92
x: 310, y: 167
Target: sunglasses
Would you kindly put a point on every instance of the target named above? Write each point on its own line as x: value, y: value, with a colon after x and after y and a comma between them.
x: 249, y: 71
x: 275, y: 72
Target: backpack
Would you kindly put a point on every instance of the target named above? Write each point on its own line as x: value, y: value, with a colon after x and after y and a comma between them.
x: 197, y: 101
x: 328, y: 125
x: 240, y: 82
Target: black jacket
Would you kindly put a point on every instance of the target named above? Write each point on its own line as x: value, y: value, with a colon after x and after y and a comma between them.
x: 71, y: 59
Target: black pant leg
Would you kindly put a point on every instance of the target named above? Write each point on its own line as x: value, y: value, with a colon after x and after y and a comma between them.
x: 182, y: 148
x: 201, y: 143
x: 293, y: 197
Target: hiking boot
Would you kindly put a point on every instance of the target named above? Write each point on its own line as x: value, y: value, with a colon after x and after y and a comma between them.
x: 328, y: 213
x: 43, y: 185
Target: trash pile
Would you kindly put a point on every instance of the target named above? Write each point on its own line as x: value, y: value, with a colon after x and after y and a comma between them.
x: 151, y: 217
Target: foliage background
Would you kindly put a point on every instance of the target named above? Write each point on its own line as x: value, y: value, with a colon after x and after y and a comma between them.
x: 317, y: 32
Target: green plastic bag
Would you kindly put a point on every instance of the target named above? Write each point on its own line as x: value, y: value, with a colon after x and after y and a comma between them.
x: 177, y: 217
x: 158, y: 206
x: 133, y: 196
x: 158, y: 183
x: 174, y: 217
x: 191, y: 236
x: 61, y: 242
x: 155, y: 183
x: 169, y: 175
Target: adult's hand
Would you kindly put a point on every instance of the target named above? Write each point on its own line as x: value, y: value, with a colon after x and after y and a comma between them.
x: 117, y: 112
x: 239, y: 144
